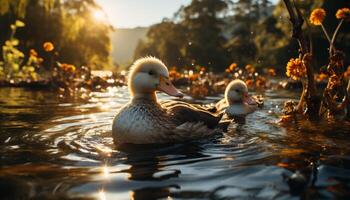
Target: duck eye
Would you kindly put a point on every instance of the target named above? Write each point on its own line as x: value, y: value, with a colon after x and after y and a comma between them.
x: 151, y: 73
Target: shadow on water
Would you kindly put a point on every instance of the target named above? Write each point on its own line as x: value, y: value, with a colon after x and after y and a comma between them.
x: 61, y: 148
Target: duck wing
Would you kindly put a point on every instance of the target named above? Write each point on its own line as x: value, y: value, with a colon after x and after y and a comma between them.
x: 185, y: 113
x: 221, y: 105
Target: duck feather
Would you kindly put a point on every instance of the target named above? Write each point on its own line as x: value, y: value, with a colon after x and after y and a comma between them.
x: 163, y: 123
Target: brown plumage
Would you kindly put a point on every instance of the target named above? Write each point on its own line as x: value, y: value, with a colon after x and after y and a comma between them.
x: 144, y: 120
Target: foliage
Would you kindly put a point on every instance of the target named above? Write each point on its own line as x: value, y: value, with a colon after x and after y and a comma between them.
x: 78, y: 38
x: 18, y: 69
x: 244, y: 31
x: 13, y: 58
x: 247, y: 14
x: 335, y: 102
x: 193, y: 37
x: 165, y: 41
x: 203, y: 22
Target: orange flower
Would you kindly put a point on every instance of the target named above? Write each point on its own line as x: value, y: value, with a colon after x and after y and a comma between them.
x: 347, y: 72
x: 32, y: 52
x: 194, y: 77
x: 227, y: 70
x: 232, y: 67
x: 317, y: 16
x: 174, y: 74
x: 343, y: 13
x: 321, y: 77
x: 48, y: 46
x: 68, y: 67
x: 260, y: 82
x: 250, y: 68
x: 271, y: 72
x: 295, y: 69
x: 249, y: 82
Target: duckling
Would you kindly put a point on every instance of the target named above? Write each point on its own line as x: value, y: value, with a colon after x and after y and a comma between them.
x: 144, y: 120
x: 237, y: 101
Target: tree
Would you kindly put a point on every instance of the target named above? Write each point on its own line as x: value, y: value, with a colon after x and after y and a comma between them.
x: 69, y: 25
x: 247, y: 15
x: 193, y: 37
x: 203, y: 21
x: 165, y: 41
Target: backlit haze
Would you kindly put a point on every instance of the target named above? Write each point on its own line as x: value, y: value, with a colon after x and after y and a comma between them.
x: 134, y: 13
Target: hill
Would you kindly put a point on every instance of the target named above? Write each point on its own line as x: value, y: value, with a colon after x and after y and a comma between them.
x: 124, y: 42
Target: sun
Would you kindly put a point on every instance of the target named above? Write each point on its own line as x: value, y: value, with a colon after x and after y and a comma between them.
x: 100, y: 16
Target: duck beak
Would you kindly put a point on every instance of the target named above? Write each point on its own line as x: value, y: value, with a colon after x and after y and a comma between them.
x: 166, y: 86
x: 248, y: 99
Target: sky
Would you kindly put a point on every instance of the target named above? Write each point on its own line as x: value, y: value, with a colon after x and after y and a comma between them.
x: 134, y: 13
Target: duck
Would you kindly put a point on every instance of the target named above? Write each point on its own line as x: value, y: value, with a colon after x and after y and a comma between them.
x: 145, y: 120
x: 237, y: 102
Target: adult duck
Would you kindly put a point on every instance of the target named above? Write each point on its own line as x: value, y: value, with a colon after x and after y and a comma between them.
x: 144, y: 120
x: 237, y: 102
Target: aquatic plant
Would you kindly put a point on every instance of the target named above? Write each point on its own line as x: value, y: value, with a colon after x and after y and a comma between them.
x: 335, y: 99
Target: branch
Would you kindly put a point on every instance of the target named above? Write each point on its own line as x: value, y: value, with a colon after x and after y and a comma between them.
x: 335, y: 36
x: 297, y: 21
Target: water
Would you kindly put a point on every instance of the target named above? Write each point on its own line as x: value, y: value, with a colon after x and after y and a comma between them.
x: 61, y: 148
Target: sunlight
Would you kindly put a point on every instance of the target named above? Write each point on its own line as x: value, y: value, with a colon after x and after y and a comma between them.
x: 102, y: 195
x: 99, y: 16
x: 105, y: 172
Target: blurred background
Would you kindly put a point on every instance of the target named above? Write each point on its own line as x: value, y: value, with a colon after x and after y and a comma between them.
x: 110, y: 34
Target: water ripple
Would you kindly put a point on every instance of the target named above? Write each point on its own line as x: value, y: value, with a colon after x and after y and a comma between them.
x: 53, y: 146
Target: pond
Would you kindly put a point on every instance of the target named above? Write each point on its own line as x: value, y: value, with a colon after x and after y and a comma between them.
x: 55, y: 147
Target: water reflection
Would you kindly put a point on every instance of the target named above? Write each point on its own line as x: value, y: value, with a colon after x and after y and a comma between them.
x: 62, y: 147
x: 102, y: 195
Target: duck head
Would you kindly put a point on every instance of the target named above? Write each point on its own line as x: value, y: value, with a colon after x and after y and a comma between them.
x: 148, y: 75
x: 237, y: 92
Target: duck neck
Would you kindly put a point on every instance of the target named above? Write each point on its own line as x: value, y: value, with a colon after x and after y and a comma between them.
x: 234, y: 102
x: 145, y: 97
